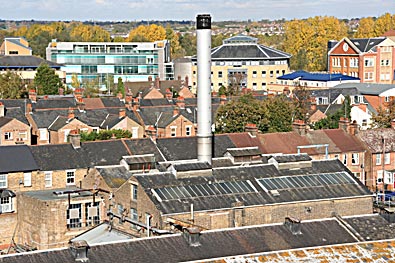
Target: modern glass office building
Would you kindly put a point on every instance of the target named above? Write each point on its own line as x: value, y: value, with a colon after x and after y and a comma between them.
x: 105, y: 62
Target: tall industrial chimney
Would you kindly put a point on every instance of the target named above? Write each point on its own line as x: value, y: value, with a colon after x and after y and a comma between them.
x: 204, y: 140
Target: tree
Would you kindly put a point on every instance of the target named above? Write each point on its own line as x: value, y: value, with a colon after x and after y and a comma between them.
x: 279, y: 114
x: 11, y: 86
x: 149, y: 33
x: 235, y: 82
x: 233, y: 116
x: 383, y: 24
x: 91, y: 88
x: 188, y: 43
x: 302, y: 103
x: 175, y: 48
x: 332, y: 120
x: 105, y: 135
x: 81, y: 32
x: 120, y: 87
x: 75, y: 83
x: 365, y: 28
x: 385, y: 115
x: 47, y: 81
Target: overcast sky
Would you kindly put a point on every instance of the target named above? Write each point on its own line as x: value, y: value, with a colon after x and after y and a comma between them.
x: 119, y: 10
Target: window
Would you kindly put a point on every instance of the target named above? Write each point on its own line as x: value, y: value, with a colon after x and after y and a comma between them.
x: 271, y: 73
x: 6, y: 205
x: 22, y: 136
x: 48, y: 179
x: 120, y: 212
x: 345, y: 158
x: 134, y: 216
x: 385, y: 62
x: 135, y: 132
x: 344, y: 62
x: 254, y: 86
x: 3, y: 181
x: 219, y: 74
x: 8, y: 136
x: 379, y: 176
x: 66, y: 134
x: 134, y: 192
x: 188, y: 130
x: 368, y: 75
x: 27, y: 179
x: 254, y: 74
x: 387, y: 159
x: 378, y: 158
x: 74, y: 216
x: 13, y: 52
x: 173, y: 131
x: 369, y: 62
x: 43, y: 134
x: 263, y: 74
x: 70, y: 177
x: 277, y: 73
x: 92, y: 216
x: 355, y: 158
x: 358, y: 176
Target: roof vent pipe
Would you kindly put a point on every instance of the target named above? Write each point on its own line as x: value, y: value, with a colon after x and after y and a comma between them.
x: 204, y: 134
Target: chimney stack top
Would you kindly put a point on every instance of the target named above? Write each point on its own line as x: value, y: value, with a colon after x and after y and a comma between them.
x: 203, y: 21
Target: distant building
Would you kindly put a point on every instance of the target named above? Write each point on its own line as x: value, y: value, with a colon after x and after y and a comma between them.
x: 15, y: 46
x: 258, y: 66
x: 108, y: 61
x: 370, y: 59
x: 311, y: 80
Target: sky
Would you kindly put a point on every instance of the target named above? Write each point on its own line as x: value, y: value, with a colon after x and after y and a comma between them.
x: 220, y: 10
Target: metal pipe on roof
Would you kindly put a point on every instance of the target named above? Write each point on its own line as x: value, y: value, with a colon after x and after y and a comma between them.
x: 204, y: 140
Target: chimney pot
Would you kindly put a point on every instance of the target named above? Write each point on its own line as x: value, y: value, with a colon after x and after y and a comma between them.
x: 70, y: 114
x: 299, y: 126
x: 122, y: 113
x: 75, y: 139
x: 32, y: 95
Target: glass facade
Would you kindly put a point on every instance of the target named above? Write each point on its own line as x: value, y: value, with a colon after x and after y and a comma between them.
x: 103, y: 61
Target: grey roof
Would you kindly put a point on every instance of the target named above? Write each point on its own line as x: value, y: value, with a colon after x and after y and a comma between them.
x: 58, y: 194
x: 4, y: 121
x: 367, y: 44
x: 185, y: 148
x: 372, y: 227
x: 247, y: 51
x: 350, y: 187
x: 103, y: 152
x: 110, y: 121
x: 143, y: 146
x: 246, y: 151
x: 17, y: 41
x: 367, y: 88
x: 112, y: 102
x: 17, y: 62
x: 16, y: 158
x: 286, y: 158
x: 44, y: 119
x: 16, y: 113
x: 59, y: 123
x: 92, y: 117
x: 114, y: 176
x: 58, y: 103
x: 213, y: 244
x: 191, y: 166
x: 136, y: 159
x: 52, y: 157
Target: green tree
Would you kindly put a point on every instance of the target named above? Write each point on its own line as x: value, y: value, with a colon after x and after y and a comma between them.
x: 47, y: 81
x: 302, y: 103
x: 365, y: 28
x: 11, y: 86
x: 105, y: 135
x: 279, y: 114
x: 233, y: 116
x: 75, y: 83
x: 120, y: 87
x: 91, y: 88
x: 332, y: 120
x: 188, y: 43
x: 175, y: 48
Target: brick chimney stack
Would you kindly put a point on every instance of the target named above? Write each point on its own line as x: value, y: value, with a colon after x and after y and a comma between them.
x: 75, y: 139
x: 176, y: 111
x: 181, y: 102
x: 157, y: 83
x: 344, y: 124
x: 136, y: 104
x: 251, y: 129
x: 2, y: 109
x: 169, y: 94
x: 33, y: 95
x: 299, y: 126
x: 70, y: 114
x: 122, y: 113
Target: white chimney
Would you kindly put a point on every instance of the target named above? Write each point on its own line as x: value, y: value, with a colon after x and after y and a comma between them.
x: 204, y: 135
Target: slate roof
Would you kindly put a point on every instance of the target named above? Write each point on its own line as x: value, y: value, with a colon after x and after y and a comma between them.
x: 52, y: 157
x: 4, y: 121
x: 135, y: 159
x: 367, y: 44
x: 372, y: 227
x: 112, y: 102
x: 251, y: 197
x: 19, y: 62
x: 17, y: 41
x: 92, y: 117
x: 16, y: 158
x: 303, y: 75
x: 110, y: 121
x: 59, y: 103
x: 45, y: 118
x: 143, y: 146
x: 247, y: 151
x: 16, y: 113
x: 373, y: 139
x: 59, y: 123
x: 213, y: 245
x: 103, y: 152
x: 191, y: 166
x: 186, y: 147
x: 367, y: 88
x: 247, y: 51
x: 114, y: 176
x: 286, y: 158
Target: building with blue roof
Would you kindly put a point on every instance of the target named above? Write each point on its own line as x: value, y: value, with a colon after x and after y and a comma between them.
x: 312, y: 80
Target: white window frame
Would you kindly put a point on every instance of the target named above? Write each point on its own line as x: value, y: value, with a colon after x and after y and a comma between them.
x: 48, y: 178
x: 355, y: 158
x: 27, y: 179
x: 22, y: 135
x: 8, y: 136
x: 135, y: 132
x: 134, y: 189
x: 387, y: 158
x: 378, y: 158
x: 369, y: 62
x: 173, y: 131
x: 66, y: 134
x: 3, y: 181
x: 68, y: 172
x: 43, y: 134
x: 6, y: 205
x: 188, y: 130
